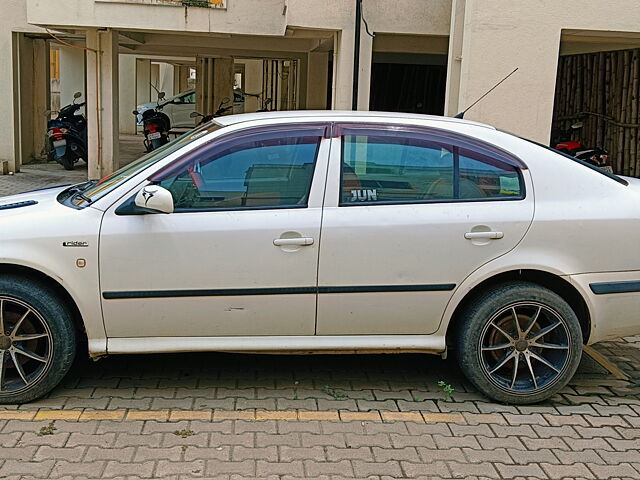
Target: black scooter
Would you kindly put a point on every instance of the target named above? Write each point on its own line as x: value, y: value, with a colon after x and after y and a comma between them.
x: 155, y: 125
x: 67, y: 135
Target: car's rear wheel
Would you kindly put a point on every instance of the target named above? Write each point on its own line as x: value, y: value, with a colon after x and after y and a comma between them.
x: 37, y: 340
x: 519, y: 343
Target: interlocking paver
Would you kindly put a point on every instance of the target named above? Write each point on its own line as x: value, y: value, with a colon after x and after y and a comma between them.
x: 591, y: 429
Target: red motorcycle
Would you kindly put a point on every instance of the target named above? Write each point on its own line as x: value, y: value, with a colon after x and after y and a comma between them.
x: 563, y: 142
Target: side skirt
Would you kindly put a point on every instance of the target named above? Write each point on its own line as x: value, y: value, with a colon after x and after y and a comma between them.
x: 282, y: 344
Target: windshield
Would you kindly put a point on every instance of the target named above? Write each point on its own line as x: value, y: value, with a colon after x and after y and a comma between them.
x: 100, y: 188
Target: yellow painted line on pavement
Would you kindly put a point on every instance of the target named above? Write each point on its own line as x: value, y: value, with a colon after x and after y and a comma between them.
x: 605, y: 362
x: 221, y: 415
x: 377, y: 416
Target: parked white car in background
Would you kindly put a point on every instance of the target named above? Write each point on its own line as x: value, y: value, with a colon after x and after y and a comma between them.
x: 178, y: 108
x: 323, y: 232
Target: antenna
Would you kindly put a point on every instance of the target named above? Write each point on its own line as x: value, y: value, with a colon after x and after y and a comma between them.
x: 461, y: 114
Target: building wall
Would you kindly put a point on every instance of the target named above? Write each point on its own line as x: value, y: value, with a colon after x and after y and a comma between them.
x: 488, y: 39
x: 13, y: 18
x: 526, y: 35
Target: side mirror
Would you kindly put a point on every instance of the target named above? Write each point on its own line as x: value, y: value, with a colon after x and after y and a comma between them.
x: 194, y: 115
x: 225, y: 100
x: 135, y: 112
x: 577, y: 125
x: 77, y: 95
x: 161, y: 95
x: 155, y: 199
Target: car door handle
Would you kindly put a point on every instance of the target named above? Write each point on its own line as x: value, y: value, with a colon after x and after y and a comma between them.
x: 301, y: 241
x: 488, y: 235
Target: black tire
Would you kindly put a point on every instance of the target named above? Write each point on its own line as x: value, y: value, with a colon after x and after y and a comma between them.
x: 501, y: 325
x: 68, y: 162
x: 48, y: 315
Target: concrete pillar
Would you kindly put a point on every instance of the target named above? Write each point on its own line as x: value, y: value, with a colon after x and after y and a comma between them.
x: 41, y: 94
x: 222, y: 80
x: 32, y: 89
x: 155, y: 81
x: 10, y: 146
x: 343, y: 70
x: 127, y: 94
x: 143, y: 80
x: 252, y: 84
x: 301, y: 82
x: 72, y: 73
x: 102, y: 102
x: 317, y: 78
x: 454, y: 64
x: 165, y: 74
x: 364, y: 80
x: 180, y: 78
x: 214, y: 82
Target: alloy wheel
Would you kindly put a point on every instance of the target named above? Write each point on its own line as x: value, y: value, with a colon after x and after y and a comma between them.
x: 525, y: 348
x: 26, y: 346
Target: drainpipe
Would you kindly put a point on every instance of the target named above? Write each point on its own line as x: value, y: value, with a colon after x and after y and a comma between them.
x: 356, y: 56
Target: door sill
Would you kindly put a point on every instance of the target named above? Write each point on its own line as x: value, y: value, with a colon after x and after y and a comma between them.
x: 282, y: 344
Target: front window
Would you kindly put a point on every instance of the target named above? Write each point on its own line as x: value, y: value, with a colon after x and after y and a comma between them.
x: 263, y: 170
x: 191, y: 98
x: 99, y: 189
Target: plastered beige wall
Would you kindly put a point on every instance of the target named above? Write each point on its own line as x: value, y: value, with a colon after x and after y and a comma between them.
x: 500, y: 36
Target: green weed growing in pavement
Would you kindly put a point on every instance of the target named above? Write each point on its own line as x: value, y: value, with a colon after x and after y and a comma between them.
x: 416, y: 399
x: 184, y: 433
x: 447, y: 389
x: 295, y: 396
x: 183, y: 448
x: 47, y: 430
x: 336, y: 394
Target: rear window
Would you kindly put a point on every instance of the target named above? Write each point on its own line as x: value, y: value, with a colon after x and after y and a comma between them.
x: 612, y: 176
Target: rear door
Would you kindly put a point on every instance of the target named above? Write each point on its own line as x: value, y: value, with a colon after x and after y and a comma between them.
x: 409, y: 213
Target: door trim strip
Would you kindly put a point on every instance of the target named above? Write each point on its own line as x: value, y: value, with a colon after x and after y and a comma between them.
x: 232, y: 292
x: 615, y: 287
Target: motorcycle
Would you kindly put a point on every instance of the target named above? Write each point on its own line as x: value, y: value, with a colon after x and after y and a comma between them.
x: 563, y: 142
x: 67, y: 135
x: 265, y: 106
x: 218, y: 113
x: 156, y: 126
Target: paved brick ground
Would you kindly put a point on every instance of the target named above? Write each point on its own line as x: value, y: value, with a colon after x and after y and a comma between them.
x: 232, y: 416
x: 591, y: 429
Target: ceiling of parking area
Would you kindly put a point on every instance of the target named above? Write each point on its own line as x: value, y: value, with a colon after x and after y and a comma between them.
x: 161, y: 44
x: 589, y: 41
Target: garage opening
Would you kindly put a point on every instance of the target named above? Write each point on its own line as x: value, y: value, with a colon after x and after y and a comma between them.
x: 597, y: 99
x: 409, y: 74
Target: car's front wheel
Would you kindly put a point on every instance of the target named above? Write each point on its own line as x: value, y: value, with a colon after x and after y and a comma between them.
x: 37, y: 340
x: 519, y: 343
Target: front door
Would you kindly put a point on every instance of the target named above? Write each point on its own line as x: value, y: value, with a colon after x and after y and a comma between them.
x: 408, y: 216
x: 240, y: 254
x: 182, y: 109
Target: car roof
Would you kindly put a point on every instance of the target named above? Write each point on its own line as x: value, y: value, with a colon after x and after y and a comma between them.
x: 301, y: 115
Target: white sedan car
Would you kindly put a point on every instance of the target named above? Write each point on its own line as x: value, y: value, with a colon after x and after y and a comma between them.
x: 326, y: 232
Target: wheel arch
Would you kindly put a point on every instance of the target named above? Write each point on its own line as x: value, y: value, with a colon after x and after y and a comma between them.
x: 553, y: 282
x: 60, y: 291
